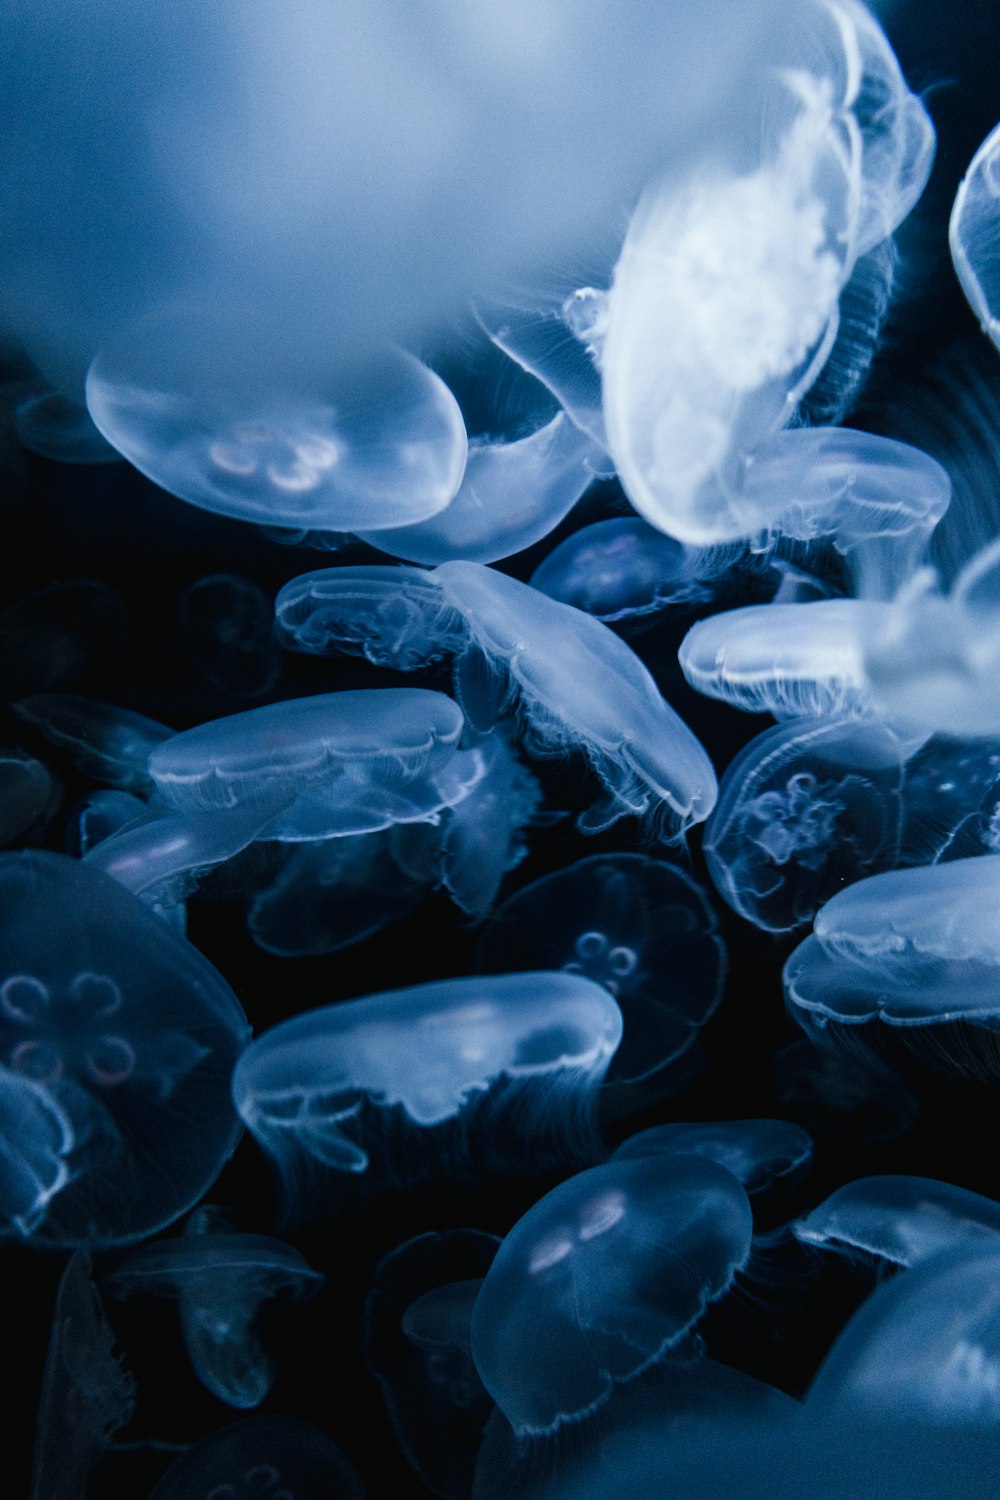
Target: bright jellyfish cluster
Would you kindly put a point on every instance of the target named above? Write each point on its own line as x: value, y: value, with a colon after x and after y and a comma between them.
x: 500, y: 751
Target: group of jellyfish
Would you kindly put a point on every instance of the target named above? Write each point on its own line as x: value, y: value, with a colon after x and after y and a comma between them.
x: 662, y: 454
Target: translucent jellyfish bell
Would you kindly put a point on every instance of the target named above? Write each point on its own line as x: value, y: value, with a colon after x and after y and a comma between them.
x: 464, y: 1073
x: 195, y: 403
x: 262, y: 1458
x: 601, y: 1279
x: 26, y: 791
x: 131, y: 1036
x: 758, y: 1153
x: 804, y: 809
x: 902, y: 1220
x: 55, y: 427
x: 974, y: 231
x: 36, y: 1144
x: 227, y: 627
x: 110, y: 744
x: 394, y: 617
x: 622, y: 569
x: 220, y: 1278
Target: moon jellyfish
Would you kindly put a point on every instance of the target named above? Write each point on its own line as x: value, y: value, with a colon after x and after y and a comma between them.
x: 55, y: 427
x: 130, y: 1034
x: 622, y: 569
x: 460, y: 1076
x: 804, y: 809
x: 227, y: 626
x: 788, y: 660
x: 111, y: 745
x: 220, y: 1278
x: 349, y: 762
x: 417, y: 1345
x: 512, y: 494
x: 759, y: 1153
x: 26, y: 792
x: 640, y: 928
x: 601, y: 1279
x: 902, y: 1220
x: 394, y: 617
x: 973, y: 234
x: 86, y: 1395
x: 36, y: 1146
x: 194, y: 402
x: 273, y: 1458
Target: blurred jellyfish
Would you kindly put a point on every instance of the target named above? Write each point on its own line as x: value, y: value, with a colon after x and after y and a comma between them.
x: 622, y: 569
x: 54, y: 427
x: 973, y: 234
x: 644, y: 931
x: 455, y: 1077
x: 262, y: 1458
x: 26, y: 792
x: 418, y: 1346
x: 99, y: 815
x: 951, y: 793
x: 804, y: 809
x: 227, y: 626
x: 111, y: 745
x: 902, y: 1220
x: 208, y: 416
x: 220, y: 1278
x: 36, y: 1145
x: 602, y: 1278
x: 841, y: 1094
x: 759, y: 1153
x: 60, y: 635
x: 86, y: 1395
x: 130, y: 1035
x: 395, y: 617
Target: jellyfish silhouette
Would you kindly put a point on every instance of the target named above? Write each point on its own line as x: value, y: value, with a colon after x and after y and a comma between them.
x: 262, y: 1458
x: 759, y: 1153
x: 27, y: 790
x: 112, y: 745
x: 227, y: 628
x: 623, y: 570
x: 899, y: 1220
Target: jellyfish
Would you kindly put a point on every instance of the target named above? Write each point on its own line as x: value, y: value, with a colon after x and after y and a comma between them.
x: 26, y: 792
x: 417, y: 1345
x: 192, y: 399
x: 640, y: 928
x: 459, y: 1076
x: 57, y: 636
x: 220, y: 1278
x: 37, y: 1140
x: 394, y: 617
x: 112, y: 745
x: 342, y: 763
x: 603, y: 1278
x: 99, y: 815
x: 262, y: 1458
x: 951, y: 792
x: 759, y: 1153
x: 622, y: 570
x: 973, y: 232
x: 900, y: 1220
x: 227, y: 626
x: 86, y: 1394
x: 55, y: 427
x: 127, y: 1037
x: 804, y: 809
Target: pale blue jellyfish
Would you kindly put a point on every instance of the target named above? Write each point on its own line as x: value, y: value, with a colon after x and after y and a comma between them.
x: 759, y: 1153
x: 262, y: 1458
x: 622, y: 569
x: 974, y: 232
x: 110, y: 744
x: 130, y: 1035
x: 457, y: 1076
x: 392, y: 616
x: 220, y: 1278
x: 603, y: 1278
x: 901, y: 1220
x: 27, y: 790
x: 227, y: 627
x: 639, y: 927
x: 198, y: 407
x: 804, y: 809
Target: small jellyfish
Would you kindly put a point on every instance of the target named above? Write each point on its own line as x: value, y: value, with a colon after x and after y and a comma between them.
x: 418, y: 1346
x: 394, y: 617
x: 343, y: 763
x: 198, y: 407
x: 804, y: 809
x: 901, y: 1220
x: 622, y: 569
x: 973, y: 234
x: 227, y: 627
x: 262, y: 1458
x: 459, y: 1076
x: 640, y: 928
x: 603, y: 1278
x: 55, y: 427
x: 111, y: 745
x: 759, y: 1153
x: 26, y: 792
x: 130, y: 1035
x: 220, y: 1278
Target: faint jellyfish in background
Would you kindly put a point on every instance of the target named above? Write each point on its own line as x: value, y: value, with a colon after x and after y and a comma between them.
x: 841, y: 1094
x: 220, y: 1278
x: 27, y: 792
x: 418, y: 1347
x: 61, y: 635
x: 131, y: 1036
x: 262, y: 1458
x: 456, y: 1078
x: 86, y: 1395
x: 55, y: 427
x: 109, y: 744
x: 227, y: 626
x: 804, y: 809
x: 37, y: 1141
x: 602, y: 1278
x: 192, y: 399
x: 643, y: 930
x: 974, y: 232
x: 951, y: 793
x: 899, y: 1220
x: 624, y: 571
x: 759, y: 1153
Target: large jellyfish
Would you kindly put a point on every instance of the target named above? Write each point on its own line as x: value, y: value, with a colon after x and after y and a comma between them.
x: 902, y: 1220
x: 974, y: 231
x: 130, y: 1035
x: 457, y: 1076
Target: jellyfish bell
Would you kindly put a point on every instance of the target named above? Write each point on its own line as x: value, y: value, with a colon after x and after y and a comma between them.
x: 900, y: 1220
x: 972, y: 234
x: 392, y: 616
x: 622, y: 570
x: 110, y: 744
x: 269, y: 1456
x: 36, y: 1144
x: 759, y: 1153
